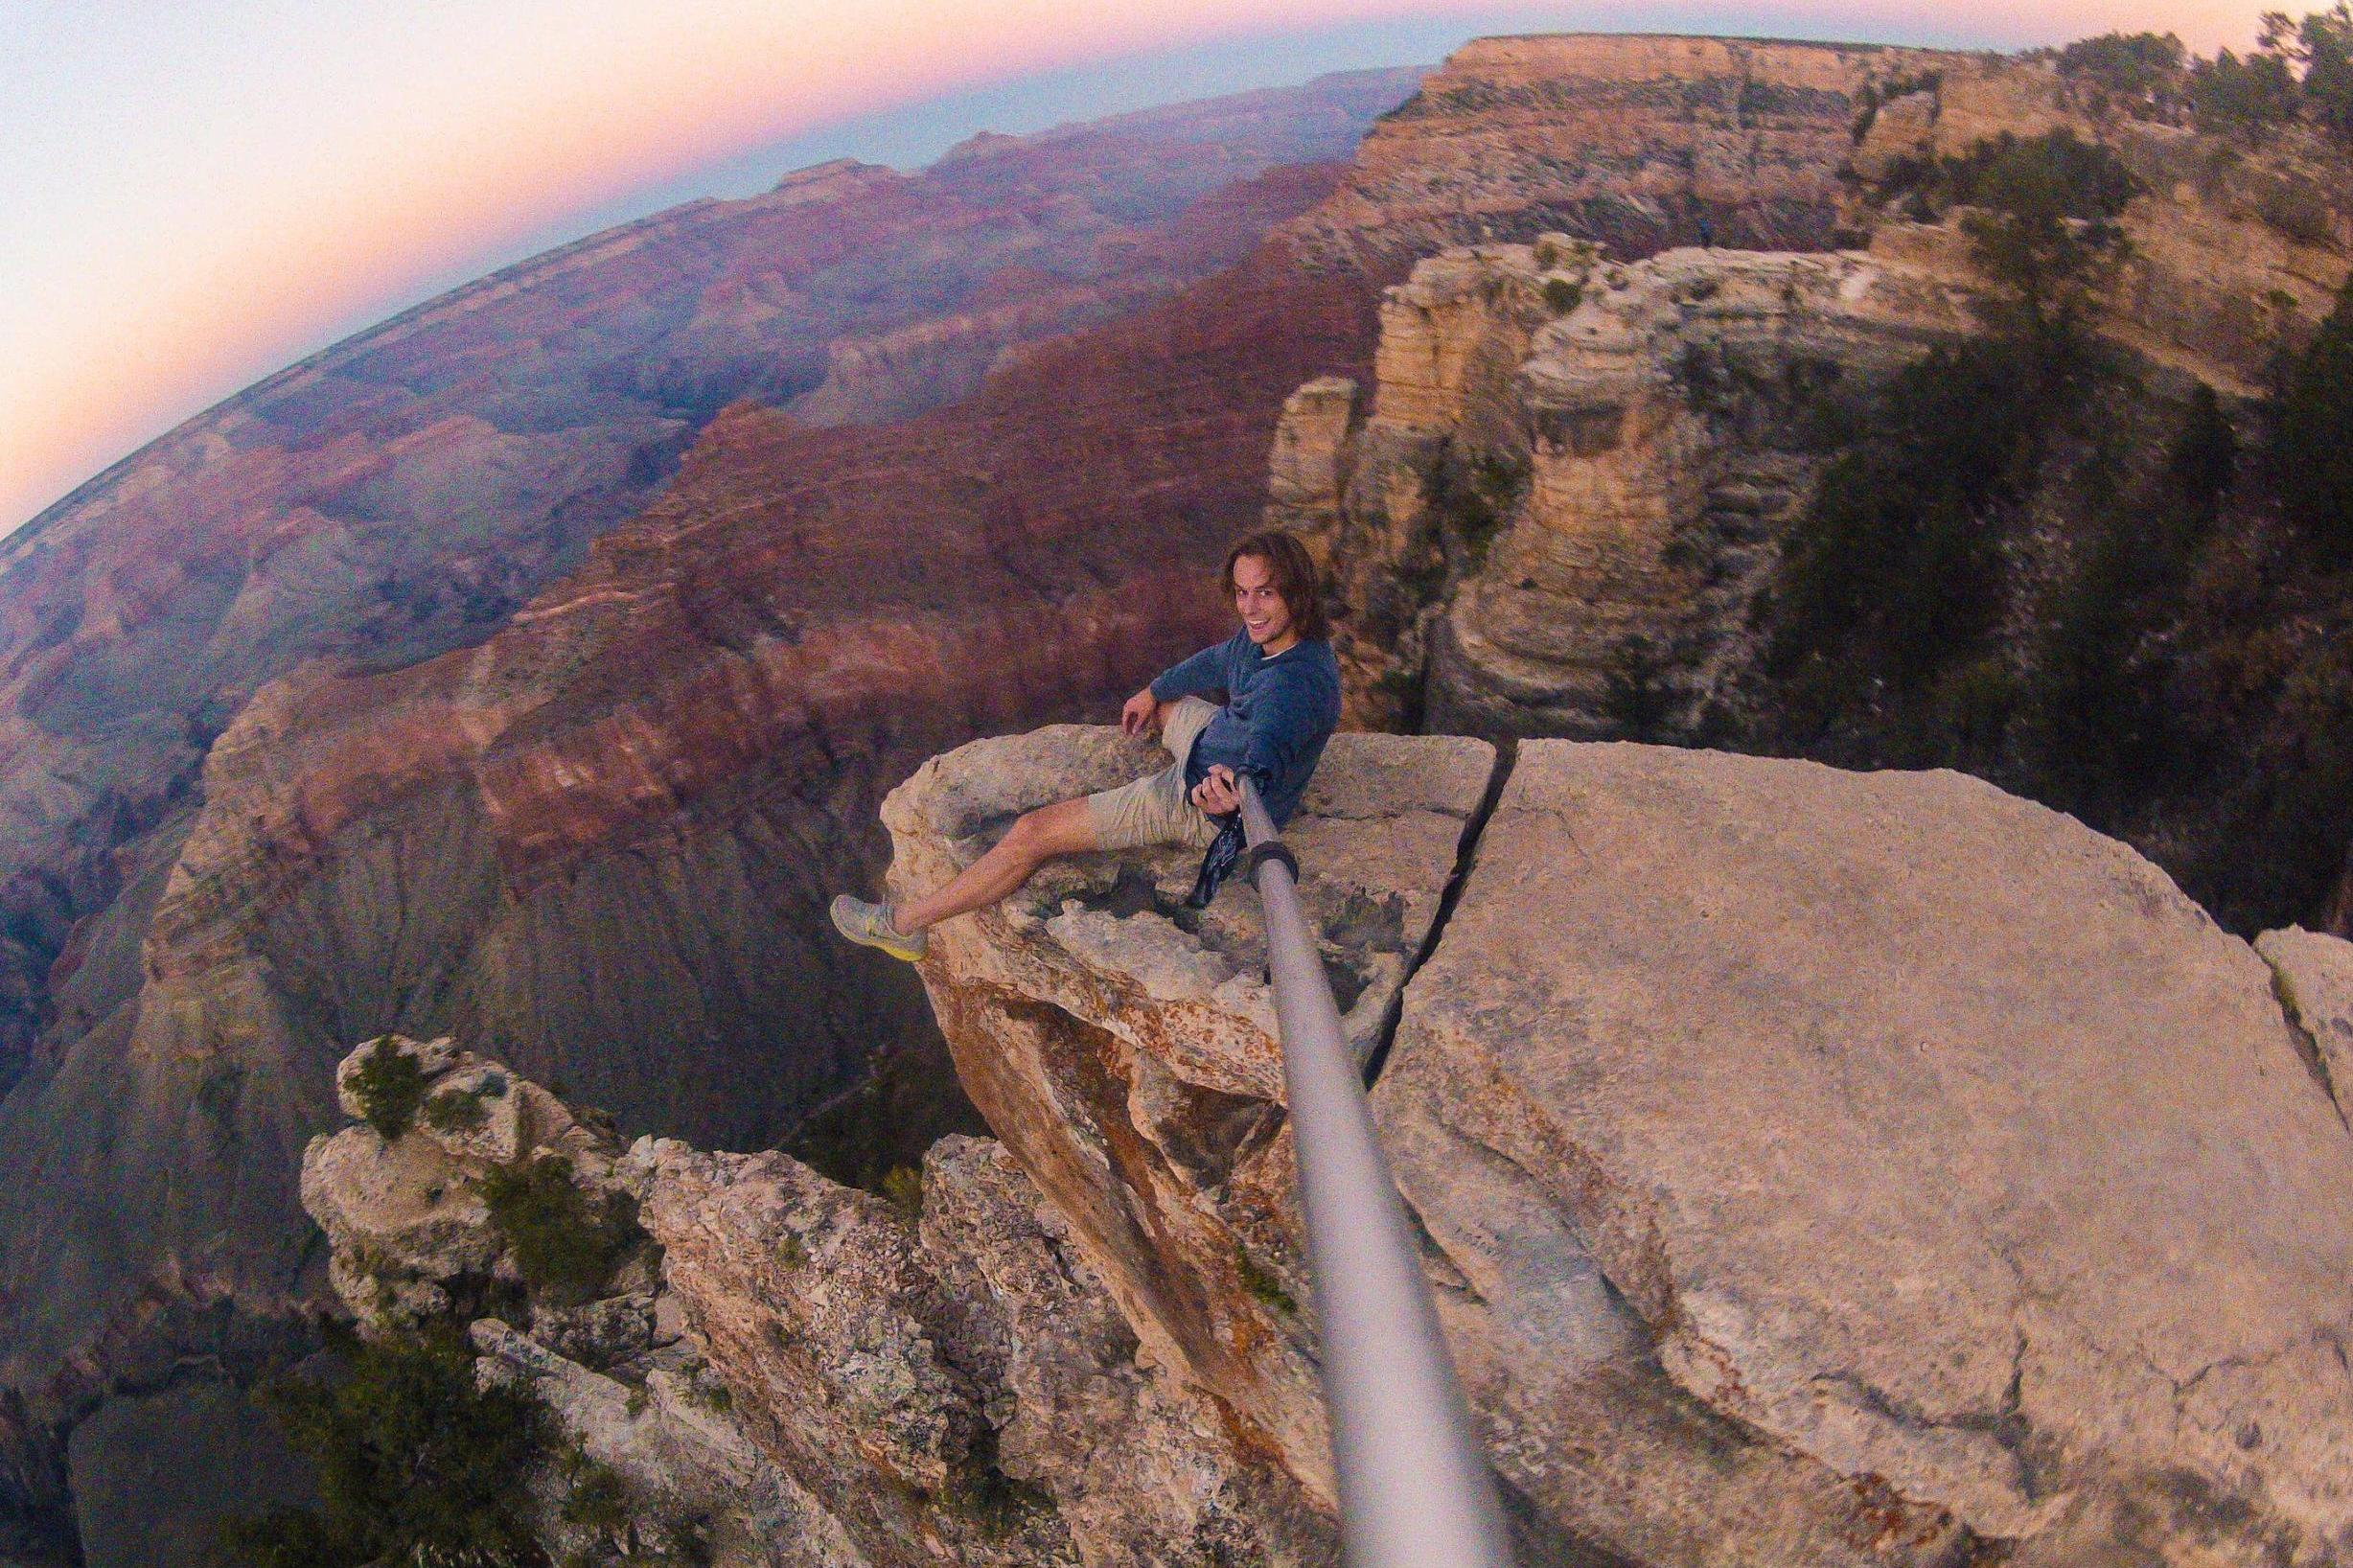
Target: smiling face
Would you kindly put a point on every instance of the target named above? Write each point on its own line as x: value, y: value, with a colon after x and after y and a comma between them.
x: 1257, y: 600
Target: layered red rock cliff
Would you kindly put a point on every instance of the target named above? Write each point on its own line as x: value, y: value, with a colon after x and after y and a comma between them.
x: 402, y: 492
x: 599, y: 841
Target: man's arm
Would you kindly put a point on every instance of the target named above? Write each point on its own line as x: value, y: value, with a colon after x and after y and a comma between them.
x: 1291, y: 717
x: 1196, y: 677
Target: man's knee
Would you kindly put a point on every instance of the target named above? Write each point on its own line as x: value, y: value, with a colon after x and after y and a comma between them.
x: 1033, y: 833
x: 1025, y: 837
x: 1063, y: 828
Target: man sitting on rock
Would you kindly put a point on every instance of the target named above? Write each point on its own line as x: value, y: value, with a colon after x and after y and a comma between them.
x: 1282, y: 692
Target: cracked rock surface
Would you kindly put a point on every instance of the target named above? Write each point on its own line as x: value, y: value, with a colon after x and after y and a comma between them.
x: 1913, y: 1130
x: 1815, y: 1167
x: 787, y: 1373
x: 1124, y: 1047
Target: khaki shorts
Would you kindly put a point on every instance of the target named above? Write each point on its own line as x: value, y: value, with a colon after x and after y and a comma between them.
x: 1153, y: 808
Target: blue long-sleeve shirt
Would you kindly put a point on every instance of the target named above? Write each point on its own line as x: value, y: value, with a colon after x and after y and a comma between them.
x: 1278, y: 713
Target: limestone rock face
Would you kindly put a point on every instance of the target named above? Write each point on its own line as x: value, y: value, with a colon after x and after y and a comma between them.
x: 814, y: 1376
x: 1305, y: 477
x: 1124, y: 1047
x: 1576, y: 474
x: 953, y: 1383
x: 2232, y: 249
x: 1599, y: 458
x: 1919, y: 1130
x: 1630, y: 140
x: 1817, y: 1168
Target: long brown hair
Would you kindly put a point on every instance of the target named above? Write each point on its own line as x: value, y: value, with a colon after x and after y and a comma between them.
x: 1295, y: 576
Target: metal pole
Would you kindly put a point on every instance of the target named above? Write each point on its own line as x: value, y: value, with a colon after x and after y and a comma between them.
x: 1414, y: 1491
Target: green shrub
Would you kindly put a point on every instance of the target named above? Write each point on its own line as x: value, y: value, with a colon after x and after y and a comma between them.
x: 2101, y: 735
x: 2299, y: 70
x: 2325, y: 41
x: 2044, y: 221
x: 1635, y: 693
x: 903, y: 1186
x: 2143, y: 68
x: 389, y: 1085
x: 595, y: 1497
x: 2045, y: 224
x: 1472, y: 496
x: 457, y: 1110
x: 706, y: 1389
x: 1262, y: 1286
x: 415, y: 1464
x: 1561, y: 295
x: 1873, y: 94
x: 2311, y: 457
x: 999, y: 1502
x: 2230, y: 95
x: 566, y: 1242
x: 1895, y: 568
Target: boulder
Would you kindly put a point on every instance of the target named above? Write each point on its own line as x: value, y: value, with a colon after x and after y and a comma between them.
x: 1817, y: 1168
x: 1910, y: 1129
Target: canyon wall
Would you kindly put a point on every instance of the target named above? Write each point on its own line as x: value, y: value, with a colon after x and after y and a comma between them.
x: 1553, y: 507
x: 398, y: 496
x: 1640, y: 141
x: 1810, y: 1167
x: 600, y: 840
x: 404, y: 492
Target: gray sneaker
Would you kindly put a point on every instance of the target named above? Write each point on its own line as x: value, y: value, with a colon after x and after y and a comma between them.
x: 869, y: 926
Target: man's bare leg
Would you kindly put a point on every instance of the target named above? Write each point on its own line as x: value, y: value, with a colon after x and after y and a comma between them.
x: 1036, y: 836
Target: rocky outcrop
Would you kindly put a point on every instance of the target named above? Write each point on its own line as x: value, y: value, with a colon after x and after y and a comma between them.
x: 1814, y: 1167
x: 1811, y: 1167
x: 1641, y: 142
x: 794, y: 1373
x: 1570, y: 477
x: 1125, y: 1048
x: 1598, y: 459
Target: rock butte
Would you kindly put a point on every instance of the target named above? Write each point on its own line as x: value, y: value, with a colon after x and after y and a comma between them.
x: 1661, y: 420
x: 1813, y: 1167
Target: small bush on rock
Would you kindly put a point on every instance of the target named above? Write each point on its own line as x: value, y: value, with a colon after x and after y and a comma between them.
x: 455, y: 1111
x: 389, y: 1085
x: 415, y: 1464
x: 902, y: 1187
x: 566, y: 1242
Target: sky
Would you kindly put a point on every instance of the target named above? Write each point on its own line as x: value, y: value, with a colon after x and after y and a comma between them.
x: 196, y: 193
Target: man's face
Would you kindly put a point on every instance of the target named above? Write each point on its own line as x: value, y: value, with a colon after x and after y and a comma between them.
x: 1264, y: 615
